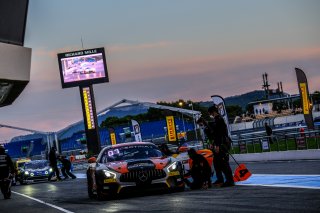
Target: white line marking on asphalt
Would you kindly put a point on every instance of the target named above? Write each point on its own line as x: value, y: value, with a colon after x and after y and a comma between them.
x: 286, y: 175
x: 280, y: 185
x: 278, y: 180
x: 40, y: 201
x: 80, y: 175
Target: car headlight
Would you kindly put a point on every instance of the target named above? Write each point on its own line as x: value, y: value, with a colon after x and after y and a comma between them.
x: 31, y: 174
x: 26, y: 173
x: 46, y: 172
x: 173, y: 167
x: 109, y: 174
x: 50, y: 170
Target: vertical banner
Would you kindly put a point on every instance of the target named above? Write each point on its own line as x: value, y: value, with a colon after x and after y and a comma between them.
x: 304, y: 95
x: 112, y: 135
x: 90, y: 119
x: 219, y: 102
x: 171, y: 128
x: 87, y: 102
x: 136, y: 130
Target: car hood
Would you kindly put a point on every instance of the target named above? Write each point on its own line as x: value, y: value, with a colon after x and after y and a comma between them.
x: 38, y: 170
x: 128, y: 165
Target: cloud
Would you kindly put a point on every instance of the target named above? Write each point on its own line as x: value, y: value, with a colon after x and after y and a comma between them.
x: 45, y: 106
x: 138, y: 47
x: 116, y: 48
x: 217, y: 64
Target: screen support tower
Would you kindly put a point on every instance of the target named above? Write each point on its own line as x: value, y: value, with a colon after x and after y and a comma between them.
x: 90, y: 119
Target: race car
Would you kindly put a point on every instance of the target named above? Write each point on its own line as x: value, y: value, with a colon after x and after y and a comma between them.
x: 36, y: 170
x: 138, y: 165
x: 19, y: 164
x: 86, y: 68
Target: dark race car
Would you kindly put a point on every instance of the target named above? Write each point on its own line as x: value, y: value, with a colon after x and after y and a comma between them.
x: 36, y: 170
x: 137, y: 165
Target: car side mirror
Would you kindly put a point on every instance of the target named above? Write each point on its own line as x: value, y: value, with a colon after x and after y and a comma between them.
x: 92, y: 160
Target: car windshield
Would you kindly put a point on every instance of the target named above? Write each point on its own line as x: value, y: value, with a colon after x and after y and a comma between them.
x: 36, y: 165
x: 193, y: 144
x: 21, y: 164
x: 130, y: 152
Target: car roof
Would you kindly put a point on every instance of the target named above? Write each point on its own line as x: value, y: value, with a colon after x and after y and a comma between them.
x: 23, y: 160
x: 129, y: 144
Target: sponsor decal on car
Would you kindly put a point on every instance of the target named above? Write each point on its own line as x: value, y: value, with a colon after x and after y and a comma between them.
x: 109, y: 180
x: 175, y: 173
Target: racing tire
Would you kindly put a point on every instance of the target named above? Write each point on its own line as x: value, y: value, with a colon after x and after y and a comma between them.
x: 177, y: 189
x: 100, y: 194
x: 180, y: 188
x: 22, y: 182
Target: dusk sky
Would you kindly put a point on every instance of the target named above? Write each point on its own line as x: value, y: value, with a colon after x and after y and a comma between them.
x: 164, y: 51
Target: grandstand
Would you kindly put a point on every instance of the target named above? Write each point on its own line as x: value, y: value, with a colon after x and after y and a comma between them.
x: 26, y: 148
x: 149, y: 131
x: 70, y: 137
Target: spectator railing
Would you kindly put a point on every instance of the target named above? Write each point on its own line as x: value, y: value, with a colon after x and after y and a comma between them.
x: 280, y: 141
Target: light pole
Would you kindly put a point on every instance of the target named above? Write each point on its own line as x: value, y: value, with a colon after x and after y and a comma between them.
x: 194, y: 121
x: 184, y: 128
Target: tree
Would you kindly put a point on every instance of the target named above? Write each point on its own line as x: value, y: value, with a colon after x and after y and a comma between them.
x: 155, y: 114
x: 233, y: 111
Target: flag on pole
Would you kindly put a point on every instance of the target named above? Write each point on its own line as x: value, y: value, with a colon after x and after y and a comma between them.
x: 136, y: 130
x: 219, y: 102
x: 304, y: 95
x: 112, y: 136
x: 171, y: 129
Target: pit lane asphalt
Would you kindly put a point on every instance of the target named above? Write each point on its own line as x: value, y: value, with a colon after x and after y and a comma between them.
x: 71, y: 196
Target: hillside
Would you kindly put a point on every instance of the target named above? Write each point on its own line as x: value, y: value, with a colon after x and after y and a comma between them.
x: 244, y: 99
x: 241, y: 100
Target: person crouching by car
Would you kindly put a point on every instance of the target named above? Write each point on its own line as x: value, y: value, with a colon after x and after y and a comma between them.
x: 66, y: 168
x: 200, y: 171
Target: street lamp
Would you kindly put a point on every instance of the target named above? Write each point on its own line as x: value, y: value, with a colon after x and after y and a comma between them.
x: 184, y: 128
x: 194, y: 121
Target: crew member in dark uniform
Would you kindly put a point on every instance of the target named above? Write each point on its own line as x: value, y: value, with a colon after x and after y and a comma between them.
x: 6, y: 167
x: 268, y: 132
x: 66, y: 167
x: 221, y: 148
x: 53, y: 164
x: 200, y: 171
x: 208, y: 131
x: 165, y: 150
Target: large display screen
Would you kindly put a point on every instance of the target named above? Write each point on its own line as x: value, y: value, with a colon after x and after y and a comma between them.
x: 83, y: 67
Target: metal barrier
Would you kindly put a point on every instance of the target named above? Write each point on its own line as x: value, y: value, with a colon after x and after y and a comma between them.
x: 81, y: 165
x: 301, y: 140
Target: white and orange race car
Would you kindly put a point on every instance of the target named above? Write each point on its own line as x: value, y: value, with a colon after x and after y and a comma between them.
x: 132, y: 165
